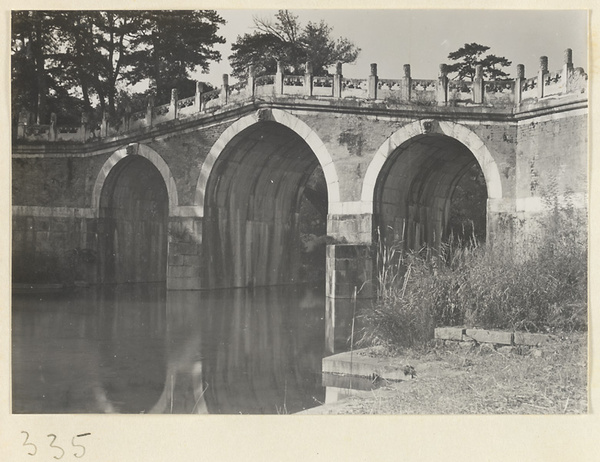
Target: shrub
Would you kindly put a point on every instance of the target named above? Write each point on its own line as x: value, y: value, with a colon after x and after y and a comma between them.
x: 480, y: 286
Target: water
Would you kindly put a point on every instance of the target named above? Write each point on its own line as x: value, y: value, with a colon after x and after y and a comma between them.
x: 142, y: 349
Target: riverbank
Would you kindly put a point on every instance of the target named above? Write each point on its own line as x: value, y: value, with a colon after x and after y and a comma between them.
x: 462, y: 379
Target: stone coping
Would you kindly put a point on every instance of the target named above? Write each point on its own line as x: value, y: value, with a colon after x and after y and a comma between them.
x: 366, y: 363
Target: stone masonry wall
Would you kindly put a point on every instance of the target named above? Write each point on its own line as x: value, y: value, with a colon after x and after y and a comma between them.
x: 52, y: 185
x: 551, y: 174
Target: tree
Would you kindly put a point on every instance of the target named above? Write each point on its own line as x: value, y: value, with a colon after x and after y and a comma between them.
x: 287, y: 41
x: 170, y: 45
x: 31, y: 43
x: 473, y: 54
x: 95, y: 46
x: 61, y: 55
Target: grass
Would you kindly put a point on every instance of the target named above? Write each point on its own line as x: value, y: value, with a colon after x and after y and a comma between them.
x: 542, y: 287
x: 481, y: 380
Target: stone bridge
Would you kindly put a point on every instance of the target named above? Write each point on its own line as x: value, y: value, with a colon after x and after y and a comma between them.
x: 207, y: 191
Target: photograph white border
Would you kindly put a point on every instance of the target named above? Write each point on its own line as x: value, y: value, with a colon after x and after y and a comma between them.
x: 302, y: 438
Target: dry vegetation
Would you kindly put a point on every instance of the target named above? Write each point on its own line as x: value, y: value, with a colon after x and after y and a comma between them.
x: 481, y: 380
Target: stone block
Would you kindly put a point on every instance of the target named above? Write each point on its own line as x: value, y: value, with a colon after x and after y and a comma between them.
x: 525, y: 338
x: 489, y: 336
x: 449, y: 333
x: 356, y: 364
x: 184, y: 272
x: 183, y: 248
x: 192, y: 260
x: 348, y: 251
x: 183, y: 284
x: 175, y: 260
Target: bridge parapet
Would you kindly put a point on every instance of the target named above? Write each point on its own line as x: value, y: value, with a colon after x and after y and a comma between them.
x: 509, y: 94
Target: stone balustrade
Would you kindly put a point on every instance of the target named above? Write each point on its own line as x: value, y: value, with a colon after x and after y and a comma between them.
x: 404, y: 91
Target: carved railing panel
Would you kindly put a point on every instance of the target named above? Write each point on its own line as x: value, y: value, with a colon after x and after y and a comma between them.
x: 553, y: 83
x: 323, y: 86
x: 529, y: 88
x: 355, y: 88
x: 211, y: 99
x: 499, y: 92
x: 460, y: 91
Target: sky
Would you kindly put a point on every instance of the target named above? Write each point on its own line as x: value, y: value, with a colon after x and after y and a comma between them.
x: 423, y: 38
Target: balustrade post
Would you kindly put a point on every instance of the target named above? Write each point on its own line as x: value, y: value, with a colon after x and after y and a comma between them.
x: 225, y: 89
x: 198, y: 97
x: 518, y: 90
x: 406, y: 88
x: 52, y: 132
x: 24, y: 117
x: 83, y: 127
x: 567, y: 71
x: 279, y: 79
x: 337, y: 81
x: 104, y: 125
x: 308, y: 79
x: 173, y: 109
x: 441, y: 93
x: 149, y: 110
x: 373, y: 81
x: 542, y: 75
x: 126, y: 118
x: 41, y: 106
x: 251, y: 81
x: 478, y: 85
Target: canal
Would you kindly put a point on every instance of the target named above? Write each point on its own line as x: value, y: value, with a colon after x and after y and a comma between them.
x: 139, y: 348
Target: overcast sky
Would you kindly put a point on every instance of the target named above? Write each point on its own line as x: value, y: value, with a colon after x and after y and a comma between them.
x: 423, y: 38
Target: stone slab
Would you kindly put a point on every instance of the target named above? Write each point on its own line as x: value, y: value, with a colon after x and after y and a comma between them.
x: 489, y: 336
x: 525, y: 338
x: 449, y: 333
x: 363, y: 366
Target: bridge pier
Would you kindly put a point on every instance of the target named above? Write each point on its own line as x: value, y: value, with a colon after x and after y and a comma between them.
x: 184, y: 261
x: 349, y: 270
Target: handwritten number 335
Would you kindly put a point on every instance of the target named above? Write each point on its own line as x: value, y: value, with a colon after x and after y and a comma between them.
x: 80, y: 451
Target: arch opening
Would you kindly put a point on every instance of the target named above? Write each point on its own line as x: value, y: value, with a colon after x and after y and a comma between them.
x: 265, y: 194
x: 133, y: 223
x: 431, y: 189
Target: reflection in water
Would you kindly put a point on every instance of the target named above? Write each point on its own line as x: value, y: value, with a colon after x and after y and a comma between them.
x: 139, y: 348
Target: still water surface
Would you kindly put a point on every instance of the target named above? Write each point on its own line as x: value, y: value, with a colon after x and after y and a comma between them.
x: 142, y: 349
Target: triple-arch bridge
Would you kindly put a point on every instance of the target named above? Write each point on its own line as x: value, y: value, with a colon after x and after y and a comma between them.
x: 216, y: 198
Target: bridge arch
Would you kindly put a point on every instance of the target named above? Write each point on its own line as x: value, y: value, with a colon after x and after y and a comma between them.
x: 133, y: 197
x: 414, y: 174
x: 459, y: 132
x: 146, y: 152
x: 266, y: 182
x: 281, y: 117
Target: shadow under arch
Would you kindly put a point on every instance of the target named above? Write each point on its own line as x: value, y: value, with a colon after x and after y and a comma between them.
x: 414, y: 174
x: 250, y: 188
x: 133, y: 197
x: 281, y: 117
x: 136, y: 149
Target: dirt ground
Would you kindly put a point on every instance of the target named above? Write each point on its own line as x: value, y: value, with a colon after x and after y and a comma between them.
x: 462, y: 379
